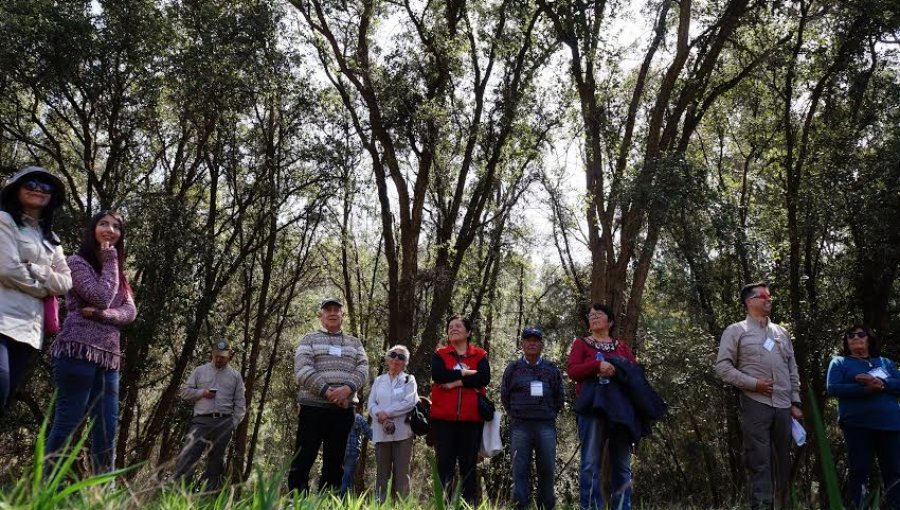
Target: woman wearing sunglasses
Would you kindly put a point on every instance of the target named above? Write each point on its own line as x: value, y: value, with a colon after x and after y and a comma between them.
x: 86, y: 353
x: 394, y: 394
x: 867, y: 386
x: 33, y: 270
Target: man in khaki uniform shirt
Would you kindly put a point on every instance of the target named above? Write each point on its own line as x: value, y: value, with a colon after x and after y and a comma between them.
x: 756, y: 356
x: 217, y: 391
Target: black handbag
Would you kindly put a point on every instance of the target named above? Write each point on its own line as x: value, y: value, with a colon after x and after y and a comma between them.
x: 486, y: 408
x: 418, y: 417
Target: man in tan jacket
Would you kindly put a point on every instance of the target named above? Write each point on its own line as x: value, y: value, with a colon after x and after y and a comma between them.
x: 756, y: 356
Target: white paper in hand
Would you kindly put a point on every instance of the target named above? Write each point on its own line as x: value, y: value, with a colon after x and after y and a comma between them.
x: 798, y: 432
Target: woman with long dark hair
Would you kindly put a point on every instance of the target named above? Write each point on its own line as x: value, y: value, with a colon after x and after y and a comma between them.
x: 867, y: 385
x: 33, y: 271
x: 86, y: 354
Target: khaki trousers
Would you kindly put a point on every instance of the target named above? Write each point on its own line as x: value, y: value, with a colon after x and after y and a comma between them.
x: 392, y: 464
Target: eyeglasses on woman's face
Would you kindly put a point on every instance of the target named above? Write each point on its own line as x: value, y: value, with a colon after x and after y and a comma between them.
x: 38, y: 186
x: 856, y: 334
x: 397, y: 355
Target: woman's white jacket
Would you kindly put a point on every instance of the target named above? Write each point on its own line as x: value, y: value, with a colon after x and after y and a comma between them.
x: 30, y: 268
x: 397, y: 398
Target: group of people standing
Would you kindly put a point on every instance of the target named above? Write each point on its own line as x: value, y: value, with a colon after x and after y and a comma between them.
x: 614, y: 404
x: 33, y: 273
x: 757, y: 357
x: 331, y: 369
x: 86, y: 352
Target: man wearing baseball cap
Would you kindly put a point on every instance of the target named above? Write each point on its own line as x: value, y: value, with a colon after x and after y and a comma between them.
x: 217, y: 391
x: 531, y: 391
x: 330, y: 368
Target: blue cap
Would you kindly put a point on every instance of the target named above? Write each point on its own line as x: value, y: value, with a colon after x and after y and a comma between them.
x: 533, y: 331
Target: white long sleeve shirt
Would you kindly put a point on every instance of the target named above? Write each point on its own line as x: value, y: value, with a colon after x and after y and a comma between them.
x: 396, y: 397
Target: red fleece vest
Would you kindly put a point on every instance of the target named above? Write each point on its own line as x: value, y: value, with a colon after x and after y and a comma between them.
x: 458, y: 404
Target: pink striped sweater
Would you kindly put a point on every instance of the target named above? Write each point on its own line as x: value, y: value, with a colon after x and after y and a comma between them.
x: 95, y: 339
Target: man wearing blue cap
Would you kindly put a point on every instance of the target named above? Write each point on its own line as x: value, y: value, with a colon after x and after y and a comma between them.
x: 532, y: 394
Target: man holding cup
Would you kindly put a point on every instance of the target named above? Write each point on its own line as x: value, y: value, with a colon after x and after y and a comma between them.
x: 217, y: 391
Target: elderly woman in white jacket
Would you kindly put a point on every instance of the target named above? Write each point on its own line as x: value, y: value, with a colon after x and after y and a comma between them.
x: 393, y: 395
x: 33, y: 269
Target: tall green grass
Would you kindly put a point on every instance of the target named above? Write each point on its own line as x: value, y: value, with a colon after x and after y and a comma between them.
x: 50, y: 484
x: 57, y: 485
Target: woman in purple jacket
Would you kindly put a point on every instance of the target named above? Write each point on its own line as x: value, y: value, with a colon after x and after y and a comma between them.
x: 86, y: 353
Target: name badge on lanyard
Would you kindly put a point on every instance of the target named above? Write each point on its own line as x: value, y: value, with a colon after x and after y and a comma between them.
x: 537, y: 389
x: 398, y: 391
x: 335, y: 350
x: 769, y: 345
x: 879, y: 373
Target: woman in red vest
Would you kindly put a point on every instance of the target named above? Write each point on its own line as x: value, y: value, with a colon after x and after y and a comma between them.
x: 459, y: 372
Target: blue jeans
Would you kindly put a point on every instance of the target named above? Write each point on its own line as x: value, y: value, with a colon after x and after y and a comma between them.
x: 349, y: 470
x: 84, y: 388
x: 538, y: 436
x: 594, y: 434
x: 15, y: 361
x: 863, y: 445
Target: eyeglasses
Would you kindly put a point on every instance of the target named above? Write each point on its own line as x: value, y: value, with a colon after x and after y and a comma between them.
x: 40, y: 187
x: 856, y: 334
x: 397, y: 355
x: 764, y: 296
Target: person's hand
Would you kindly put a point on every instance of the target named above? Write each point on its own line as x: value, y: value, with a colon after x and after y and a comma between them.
x: 339, y: 395
x: 765, y: 386
x: 88, y: 312
x: 864, y: 378
x: 450, y: 385
x: 875, y: 385
x: 607, y: 369
x: 796, y: 413
x: 381, y: 416
x: 343, y: 392
x: 467, y: 372
x: 209, y: 394
x: 105, y: 245
x: 332, y: 396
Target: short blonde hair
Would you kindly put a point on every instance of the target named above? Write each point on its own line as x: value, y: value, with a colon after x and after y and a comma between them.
x: 401, y: 349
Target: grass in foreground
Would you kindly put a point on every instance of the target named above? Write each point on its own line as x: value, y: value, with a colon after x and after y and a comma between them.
x: 57, y: 486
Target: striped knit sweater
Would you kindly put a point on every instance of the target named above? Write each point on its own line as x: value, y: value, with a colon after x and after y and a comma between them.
x: 324, y: 360
x: 95, y: 339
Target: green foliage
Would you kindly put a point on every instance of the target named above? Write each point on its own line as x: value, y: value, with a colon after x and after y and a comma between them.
x: 52, y: 483
x: 832, y: 485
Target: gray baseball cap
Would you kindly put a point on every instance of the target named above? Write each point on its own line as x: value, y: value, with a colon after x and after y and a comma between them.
x: 330, y: 301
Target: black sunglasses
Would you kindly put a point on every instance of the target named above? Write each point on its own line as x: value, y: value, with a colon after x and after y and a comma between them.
x: 39, y: 186
x: 857, y: 334
x: 397, y: 355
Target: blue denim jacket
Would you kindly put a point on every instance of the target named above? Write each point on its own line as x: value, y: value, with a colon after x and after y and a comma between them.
x: 354, y: 440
